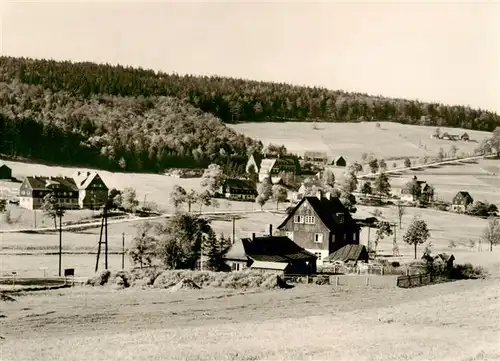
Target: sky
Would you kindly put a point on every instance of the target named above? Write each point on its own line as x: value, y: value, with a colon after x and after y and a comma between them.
x: 446, y: 52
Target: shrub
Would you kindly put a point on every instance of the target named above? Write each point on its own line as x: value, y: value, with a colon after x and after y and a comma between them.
x: 100, y: 279
x: 395, y: 264
x: 452, y: 244
x: 322, y: 280
x: 468, y: 271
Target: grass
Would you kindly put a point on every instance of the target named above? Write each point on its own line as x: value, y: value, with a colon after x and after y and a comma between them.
x: 304, y: 323
x: 351, y: 140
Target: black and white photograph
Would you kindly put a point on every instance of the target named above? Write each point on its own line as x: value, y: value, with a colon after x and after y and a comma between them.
x: 249, y: 180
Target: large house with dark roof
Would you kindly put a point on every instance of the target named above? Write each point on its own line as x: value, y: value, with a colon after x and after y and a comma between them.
x: 321, y: 225
x: 461, y: 201
x: 84, y: 190
x: 241, y: 189
x: 276, y: 253
x: 33, y: 189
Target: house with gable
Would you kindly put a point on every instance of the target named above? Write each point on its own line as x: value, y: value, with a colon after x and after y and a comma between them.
x: 254, y: 162
x: 426, y: 191
x: 34, y: 189
x: 277, y: 168
x: 321, y: 225
x: 461, y: 201
x: 273, y: 253
x: 5, y: 172
x: 92, y: 191
x: 318, y: 158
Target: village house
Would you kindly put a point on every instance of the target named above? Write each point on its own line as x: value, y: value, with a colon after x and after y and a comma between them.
x: 278, y: 168
x: 274, y: 253
x: 321, y: 225
x: 33, y: 189
x: 240, y: 189
x: 465, y: 137
x: 318, y: 158
x: 92, y: 191
x: 339, y: 161
x: 461, y: 201
x: 254, y: 162
x: 85, y: 190
x: 426, y: 192
x: 5, y: 172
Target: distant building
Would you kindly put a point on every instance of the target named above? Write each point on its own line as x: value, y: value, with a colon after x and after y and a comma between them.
x: 34, y: 189
x: 254, y: 162
x: 84, y: 190
x: 92, y: 191
x: 278, y: 168
x: 461, y: 201
x: 465, y: 137
x: 238, y: 189
x: 5, y: 172
x: 319, y: 158
x: 339, y: 161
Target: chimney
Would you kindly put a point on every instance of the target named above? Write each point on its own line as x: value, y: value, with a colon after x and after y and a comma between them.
x: 253, y: 237
x: 328, y: 195
x: 270, y: 230
x: 319, y: 195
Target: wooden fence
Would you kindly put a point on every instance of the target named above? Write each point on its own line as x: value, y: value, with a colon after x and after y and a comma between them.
x: 421, y: 279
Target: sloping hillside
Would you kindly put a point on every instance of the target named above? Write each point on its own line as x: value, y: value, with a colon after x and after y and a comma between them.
x: 237, y: 99
x: 114, y: 132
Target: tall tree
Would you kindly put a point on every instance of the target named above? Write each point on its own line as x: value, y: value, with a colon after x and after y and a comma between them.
x: 373, y: 164
x: 49, y: 206
x: 143, y: 246
x: 384, y: 229
x: 417, y: 233
x: 129, y: 199
x: 212, y: 178
x: 491, y: 233
x: 280, y: 194
x: 382, y: 185
x: 178, y: 196
x: 214, y: 249
x: 264, y: 192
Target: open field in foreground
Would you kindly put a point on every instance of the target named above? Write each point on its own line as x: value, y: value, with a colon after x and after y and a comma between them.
x: 353, y: 139
x: 451, y: 321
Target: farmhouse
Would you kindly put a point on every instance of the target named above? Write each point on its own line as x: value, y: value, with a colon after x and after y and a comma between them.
x: 33, y: 189
x: 339, y: 161
x: 320, y: 224
x: 319, y: 158
x: 424, y: 191
x: 93, y: 192
x: 238, y: 189
x: 461, y: 201
x: 254, y: 162
x: 84, y: 190
x: 277, y: 168
x: 5, y: 172
x: 277, y: 253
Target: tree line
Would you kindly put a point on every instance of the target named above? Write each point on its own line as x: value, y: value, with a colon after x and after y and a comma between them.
x: 115, y: 132
x: 240, y: 100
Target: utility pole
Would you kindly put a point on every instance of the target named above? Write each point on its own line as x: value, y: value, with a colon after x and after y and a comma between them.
x: 123, y: 250
x: 234, y: 229
x: 59, y: 213
x: 105, y: 238
x: 34, y: 215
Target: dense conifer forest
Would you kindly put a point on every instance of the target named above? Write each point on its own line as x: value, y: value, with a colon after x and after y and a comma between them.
x: 117, y: 117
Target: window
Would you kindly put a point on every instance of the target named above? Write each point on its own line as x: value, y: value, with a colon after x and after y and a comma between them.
x: 318, y: 238
x: 340, y: 217
x: 310, y: 219
x: 298, y: 219
x: 354, y: 236
x: 318, y: 254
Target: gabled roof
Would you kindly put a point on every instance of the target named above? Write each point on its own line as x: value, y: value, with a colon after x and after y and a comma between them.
x: 84, y: 178
x: 266, y: 165
x: 42, y: 183
x: 257, y: 157
x: 326, y: 209
x: 464, y: 194
x: 350, y: 252
x: 243, y: 184
x: 4, y: 166
x: 268, y: 249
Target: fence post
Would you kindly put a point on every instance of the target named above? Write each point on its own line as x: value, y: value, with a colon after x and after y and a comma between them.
x: 382, y: 270
x: 337, y: 279
x: 367, y: 281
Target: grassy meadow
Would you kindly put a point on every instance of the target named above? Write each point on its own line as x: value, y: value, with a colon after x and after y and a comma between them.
x: 351, y: 140
x: 307, y: 322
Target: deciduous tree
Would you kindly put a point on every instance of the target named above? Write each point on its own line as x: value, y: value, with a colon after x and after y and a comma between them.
x: 212, y: 178
x: 143, y: 246
x: 417, y: 233
x: 491, y: 233
x: 280, y: 194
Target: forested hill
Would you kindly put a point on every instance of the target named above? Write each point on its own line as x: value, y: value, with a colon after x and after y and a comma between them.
x: 113, y: 132
x: 240, y: 100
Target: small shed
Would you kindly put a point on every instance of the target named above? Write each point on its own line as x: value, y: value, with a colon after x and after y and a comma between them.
x: 465, y: 137
x: 5, y: 172
x: 339, y: 161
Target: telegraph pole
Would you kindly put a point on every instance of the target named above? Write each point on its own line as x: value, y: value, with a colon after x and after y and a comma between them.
x: 123, y: 250
x: 234, y: 229
x: 105, y: 238
x: 59, y: 213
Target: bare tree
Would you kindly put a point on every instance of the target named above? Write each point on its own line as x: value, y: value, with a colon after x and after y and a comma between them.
x: 491, y: 233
